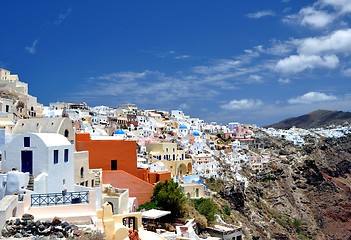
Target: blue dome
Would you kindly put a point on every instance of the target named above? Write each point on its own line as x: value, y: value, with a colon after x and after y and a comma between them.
x: 183, y: 127
x: 203, y: 133
x: 196, y: 134
x: 119, y: 131
x: 179, y: 109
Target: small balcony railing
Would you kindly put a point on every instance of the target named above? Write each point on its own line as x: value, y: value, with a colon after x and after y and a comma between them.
x: 51, y: 199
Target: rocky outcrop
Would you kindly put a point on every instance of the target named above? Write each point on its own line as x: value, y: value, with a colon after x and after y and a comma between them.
x: 301, y: 196
x: 235, y: 196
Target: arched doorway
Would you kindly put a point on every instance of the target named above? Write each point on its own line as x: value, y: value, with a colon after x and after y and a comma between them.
x: 190, y: 168
x: 181, y: 169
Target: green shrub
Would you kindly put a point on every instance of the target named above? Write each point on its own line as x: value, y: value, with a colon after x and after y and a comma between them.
x: 227, y: 210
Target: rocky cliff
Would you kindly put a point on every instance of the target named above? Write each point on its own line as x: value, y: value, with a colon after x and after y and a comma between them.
x: 304, y: 194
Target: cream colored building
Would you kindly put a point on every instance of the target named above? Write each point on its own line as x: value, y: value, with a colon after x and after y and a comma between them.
x: 193, y: 190
x: 82, y: 174
x: 26, y: 105
x: 118, y: 198
x: 172, y: 157
x: 61, y: 126
x: 11, y: 82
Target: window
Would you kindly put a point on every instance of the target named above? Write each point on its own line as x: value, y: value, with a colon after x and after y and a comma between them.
x: 82, y: 172
x: 130, y: 222
x: 26, y: 141
x: 66, y: 133
x: 66, y: 156
x: 7, y: 108
x: 55, y: 156
x: 166, y: 149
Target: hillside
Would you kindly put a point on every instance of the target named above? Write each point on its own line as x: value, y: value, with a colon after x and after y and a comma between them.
x: 305, y: 195
x: 314, y: 119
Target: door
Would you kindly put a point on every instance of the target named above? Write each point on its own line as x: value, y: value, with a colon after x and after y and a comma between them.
x: 27, y: 161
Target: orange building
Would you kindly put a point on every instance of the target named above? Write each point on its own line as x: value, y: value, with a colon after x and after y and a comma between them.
x: 118, y: 160
x: 109, y: 154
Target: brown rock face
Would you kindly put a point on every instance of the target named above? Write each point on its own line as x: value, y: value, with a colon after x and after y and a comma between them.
x: 305, y: 194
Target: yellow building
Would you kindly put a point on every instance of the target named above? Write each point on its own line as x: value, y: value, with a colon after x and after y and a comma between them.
x: 172, y: 157
x: 193, y: 190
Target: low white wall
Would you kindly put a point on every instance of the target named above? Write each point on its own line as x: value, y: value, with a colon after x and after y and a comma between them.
x: 97, y: 190
x: 124, y: 202
x: 40, y: 183
x: 3, y: 180
x: 8, y: 208
x: 16, y: 181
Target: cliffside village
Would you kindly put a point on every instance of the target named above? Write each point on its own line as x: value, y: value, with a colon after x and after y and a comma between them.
x: 68, y: 160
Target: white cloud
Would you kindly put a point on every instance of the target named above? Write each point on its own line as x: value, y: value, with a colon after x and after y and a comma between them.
x: 309, y: 16
x: 347, y: 72
x: 342, y: 6
x: 320, y: 15
x: 223, y: 65
x: 242, y: 104
x: 184, y: 106
x: 299, y: 63
x: 62, y: 17
x: 255, y: 78
x: 261, y: 14
x: 337, y: 42
x: 148, y: 86
x: 277, y: 48
x: 315, y: 18
x: 32, y: 49
x: 182, y: 57
x: 284, y: 80
x: 312, y: 97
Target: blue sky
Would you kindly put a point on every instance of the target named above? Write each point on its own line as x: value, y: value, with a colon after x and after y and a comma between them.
x: 249, y: 61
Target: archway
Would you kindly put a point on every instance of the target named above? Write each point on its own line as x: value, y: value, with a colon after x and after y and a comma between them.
x: 113, y: 210
x: 190, y: 168
x: 181, y: 169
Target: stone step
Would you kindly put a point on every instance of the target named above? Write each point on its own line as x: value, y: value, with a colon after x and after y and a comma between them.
x: 30, y: 185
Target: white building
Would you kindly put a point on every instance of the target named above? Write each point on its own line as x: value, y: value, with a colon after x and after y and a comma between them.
x: 183, y: 131
x: 46, y: 156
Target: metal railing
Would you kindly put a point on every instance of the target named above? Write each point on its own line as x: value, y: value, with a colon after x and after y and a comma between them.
x: 67, y: 198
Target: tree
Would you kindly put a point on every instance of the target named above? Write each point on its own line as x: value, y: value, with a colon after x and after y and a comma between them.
x: 207, y: 208
x: 167, y: 196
